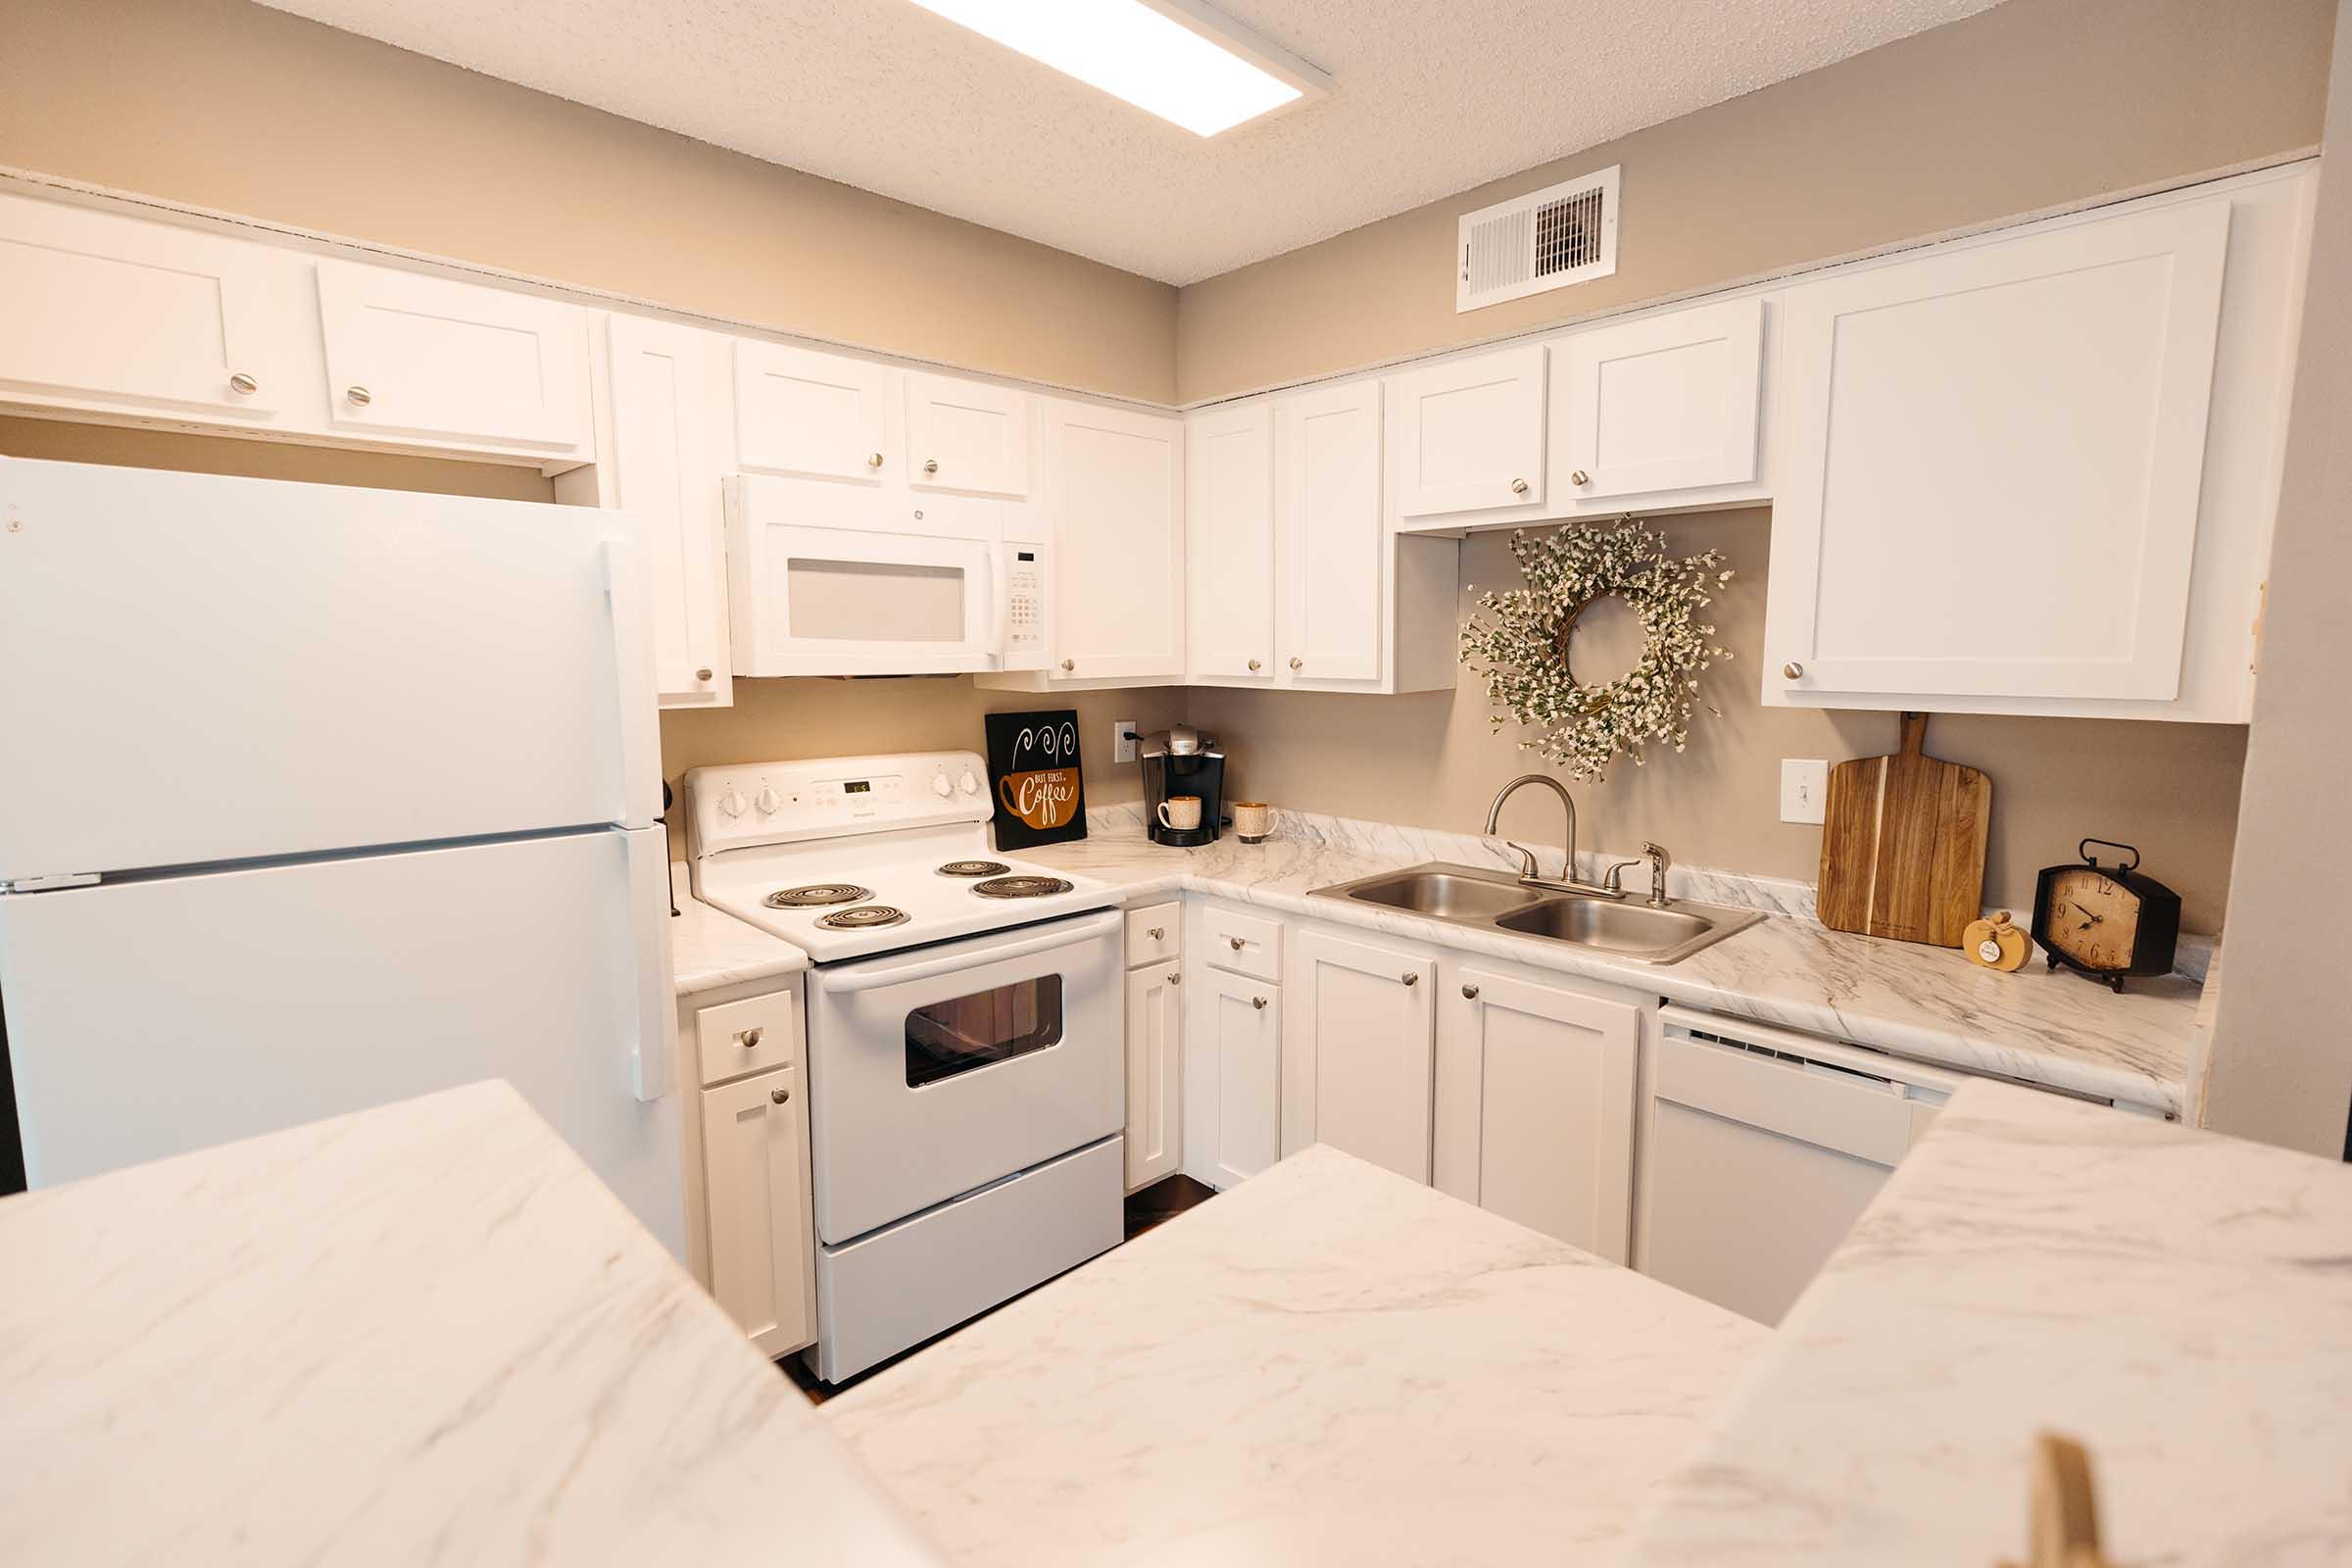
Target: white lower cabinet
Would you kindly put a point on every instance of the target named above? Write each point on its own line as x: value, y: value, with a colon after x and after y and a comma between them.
x: 1358, y: 1057
x: 1233, y: 1074
x: 1536, y: 1100
x: 1155, y: 1073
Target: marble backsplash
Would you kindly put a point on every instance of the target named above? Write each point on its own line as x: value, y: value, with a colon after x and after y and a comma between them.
x: 1705, y: 883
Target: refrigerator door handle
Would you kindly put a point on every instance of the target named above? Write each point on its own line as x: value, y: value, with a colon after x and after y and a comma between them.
x: 653, y: 1047
x: 633, y: 672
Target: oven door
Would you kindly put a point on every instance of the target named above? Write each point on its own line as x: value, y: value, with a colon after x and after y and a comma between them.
x: 941, y: 1070
x: 825, y: 580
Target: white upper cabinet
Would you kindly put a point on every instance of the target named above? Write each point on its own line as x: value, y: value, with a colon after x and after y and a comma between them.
x: 411, y: 356
x: 667, y: 468
x: 810, y: 415
x: 1229, y: 503
x: 1114, y: 487
x: 1470, y: 434
x: 1666, y: 403
x: 112, y: 313
x: 1990, y: 465
x: 1335, y: 598
x: 1358, y: 1056
x: 966, y: 436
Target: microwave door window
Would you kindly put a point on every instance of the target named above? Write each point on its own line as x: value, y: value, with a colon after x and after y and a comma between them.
x: 970, y: 1032
x: 874, y: 600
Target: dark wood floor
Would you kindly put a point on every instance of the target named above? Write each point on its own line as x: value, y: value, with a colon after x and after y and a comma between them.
x: 1152, y: 1207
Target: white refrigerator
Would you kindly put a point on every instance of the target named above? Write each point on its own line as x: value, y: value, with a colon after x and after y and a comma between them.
x: 316, y: 798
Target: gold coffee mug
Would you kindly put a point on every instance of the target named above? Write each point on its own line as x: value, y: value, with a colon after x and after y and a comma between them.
x: 1253, y: 821
x: 1181, y: 813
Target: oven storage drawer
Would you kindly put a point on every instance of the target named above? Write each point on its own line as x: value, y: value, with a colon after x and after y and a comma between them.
x: 907, y: 1282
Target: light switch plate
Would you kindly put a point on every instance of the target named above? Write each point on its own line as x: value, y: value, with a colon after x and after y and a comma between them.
x: 1122, y: 749
x: 1805, y: 788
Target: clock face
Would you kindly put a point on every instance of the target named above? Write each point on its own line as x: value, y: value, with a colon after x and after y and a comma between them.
x: 2091, y: 918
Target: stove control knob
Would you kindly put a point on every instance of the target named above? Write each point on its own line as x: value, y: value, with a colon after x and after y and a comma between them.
x: 732, y: 803
x: 768, y: 802
x: 940, y: 787
x: 968, y: 784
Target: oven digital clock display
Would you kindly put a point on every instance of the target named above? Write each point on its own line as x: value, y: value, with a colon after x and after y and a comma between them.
x: 857, y: 786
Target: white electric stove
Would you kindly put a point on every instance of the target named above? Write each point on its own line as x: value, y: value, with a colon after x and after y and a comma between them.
x: 967, y: 1035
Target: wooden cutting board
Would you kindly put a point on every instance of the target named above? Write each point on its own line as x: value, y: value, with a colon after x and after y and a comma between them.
x: 1902, y: 844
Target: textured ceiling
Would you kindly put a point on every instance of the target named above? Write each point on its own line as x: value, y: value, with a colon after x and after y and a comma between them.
x: 1430, y: 99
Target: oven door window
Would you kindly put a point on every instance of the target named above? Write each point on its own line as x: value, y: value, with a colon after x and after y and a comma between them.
x: 957, y: 1036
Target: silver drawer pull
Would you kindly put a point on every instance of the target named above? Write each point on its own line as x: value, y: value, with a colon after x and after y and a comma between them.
x: 874, y: 460
x: 931, y: 465
x: 779, y: 1095
x: 1157, y: 932
x: 1469, y: 993
x: 1793, y: 671
x: 1259, y: 1003
x: 749, y: 1039
x: 1580, y: 477
x: 1253, y: 665
x: 703, y: 674
x: 1518, y: 487
x: 241, y: 382
x: 1237, y: 943
x: 360, y: 397
x: 1411, y: 979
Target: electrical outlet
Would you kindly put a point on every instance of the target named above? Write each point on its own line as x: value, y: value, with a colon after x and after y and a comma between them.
x: 1122, y: 748
x: 1804, y: 789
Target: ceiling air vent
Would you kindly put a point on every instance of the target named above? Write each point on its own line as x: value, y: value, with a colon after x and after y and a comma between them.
x: 1547, y: 239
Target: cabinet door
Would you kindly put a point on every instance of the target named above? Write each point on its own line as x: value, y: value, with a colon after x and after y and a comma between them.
x: 416, y: 356
x: 1229, y: 500
x: 1990, y: 462
x: 1667, y: 403
x: 1471, y: 433
x: 1328, y: 450
x: 105, y: 311
x: 1116, y: 483
x: 1536, y: 1105
x: 1363, y: 1050
x: 666, y: 469
x: 1235, y: 1027
x: 966, y: 436
x: 810, y: 415
x: 1155, y: 1074
x: 755, y: 1191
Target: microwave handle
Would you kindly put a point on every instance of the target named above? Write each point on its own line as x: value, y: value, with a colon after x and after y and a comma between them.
x: 838, y: 982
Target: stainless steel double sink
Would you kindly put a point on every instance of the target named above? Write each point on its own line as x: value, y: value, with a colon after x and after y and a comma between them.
x: 1497, y: 901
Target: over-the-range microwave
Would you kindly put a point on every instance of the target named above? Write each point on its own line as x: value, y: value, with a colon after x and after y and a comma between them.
x: 837, y: 579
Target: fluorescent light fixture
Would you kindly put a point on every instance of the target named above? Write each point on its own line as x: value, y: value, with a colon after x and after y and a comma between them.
x: 1177, y: 59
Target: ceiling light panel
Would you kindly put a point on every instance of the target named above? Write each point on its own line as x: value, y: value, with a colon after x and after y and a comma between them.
x: 1172, y: 58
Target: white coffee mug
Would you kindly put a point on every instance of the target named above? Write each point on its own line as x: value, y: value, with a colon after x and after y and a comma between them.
x: 1181, y: 813
x: 1253, y: 821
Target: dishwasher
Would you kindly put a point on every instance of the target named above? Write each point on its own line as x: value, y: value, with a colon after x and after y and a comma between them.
x: 1759, y: 1149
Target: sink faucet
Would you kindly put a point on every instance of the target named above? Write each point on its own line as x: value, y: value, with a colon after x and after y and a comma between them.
x: 1660, y: 860
x: 1528, y: 871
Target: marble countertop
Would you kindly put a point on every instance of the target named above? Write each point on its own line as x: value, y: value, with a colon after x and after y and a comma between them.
x: 421, y: 1333
x: 709, y: 947
x: 2179, y: 1302
x: 1929, y: 1003
x: 1328, y: 1363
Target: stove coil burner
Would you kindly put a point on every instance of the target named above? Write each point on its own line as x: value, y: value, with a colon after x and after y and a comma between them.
x: 1021, y: 886
x: 974, y: 869
x: 817, y: 895
x: 864, y: 918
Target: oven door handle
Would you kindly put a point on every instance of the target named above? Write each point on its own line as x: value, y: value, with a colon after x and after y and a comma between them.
x: 861, y: 978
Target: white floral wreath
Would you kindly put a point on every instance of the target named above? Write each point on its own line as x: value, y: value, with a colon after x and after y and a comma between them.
x: 1523, y: 651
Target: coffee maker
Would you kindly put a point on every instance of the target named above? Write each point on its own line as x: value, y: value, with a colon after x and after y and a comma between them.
x: 1178, y: 762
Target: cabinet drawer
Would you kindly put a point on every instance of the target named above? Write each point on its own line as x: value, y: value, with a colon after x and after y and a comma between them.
x: 734, y: 1038
x: 1153, y: 934
x: 1244, y: 944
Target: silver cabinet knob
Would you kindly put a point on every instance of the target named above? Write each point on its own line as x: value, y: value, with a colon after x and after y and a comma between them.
x: 703, y: 674
x: 874, y: 460
x: 1253, y: 665
x: 1237, y: 943
x: 1259, y: 1003
x: 1579, y: 476
x: 1175, y: 977
x: 359, y: 397
x: 1793, y: 671
x: 1469, y: 993
x: 1298, y: 664
x: 748, y: 1038
x: 1068, y: 665
x: 930, y: 465
x: 1518, y: 487
x: 241, y: 382
x: 1410, y: 978
x: 779, y: 1095
x: 1157, y: 932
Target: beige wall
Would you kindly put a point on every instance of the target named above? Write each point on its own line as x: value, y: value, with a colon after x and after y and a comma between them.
x: 224, y: 104
x: 2280, y: 1065
x: 2031, y: 104
x: 1433, y: 760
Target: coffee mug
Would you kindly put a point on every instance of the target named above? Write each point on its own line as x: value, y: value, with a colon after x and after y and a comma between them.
x: 1254, y: 820
x: 1181, y: 813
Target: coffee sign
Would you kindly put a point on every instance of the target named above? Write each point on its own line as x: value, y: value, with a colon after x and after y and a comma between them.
x: 1033, y: 764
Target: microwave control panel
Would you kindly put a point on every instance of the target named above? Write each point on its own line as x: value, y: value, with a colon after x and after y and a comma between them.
x: 1024, y: 606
